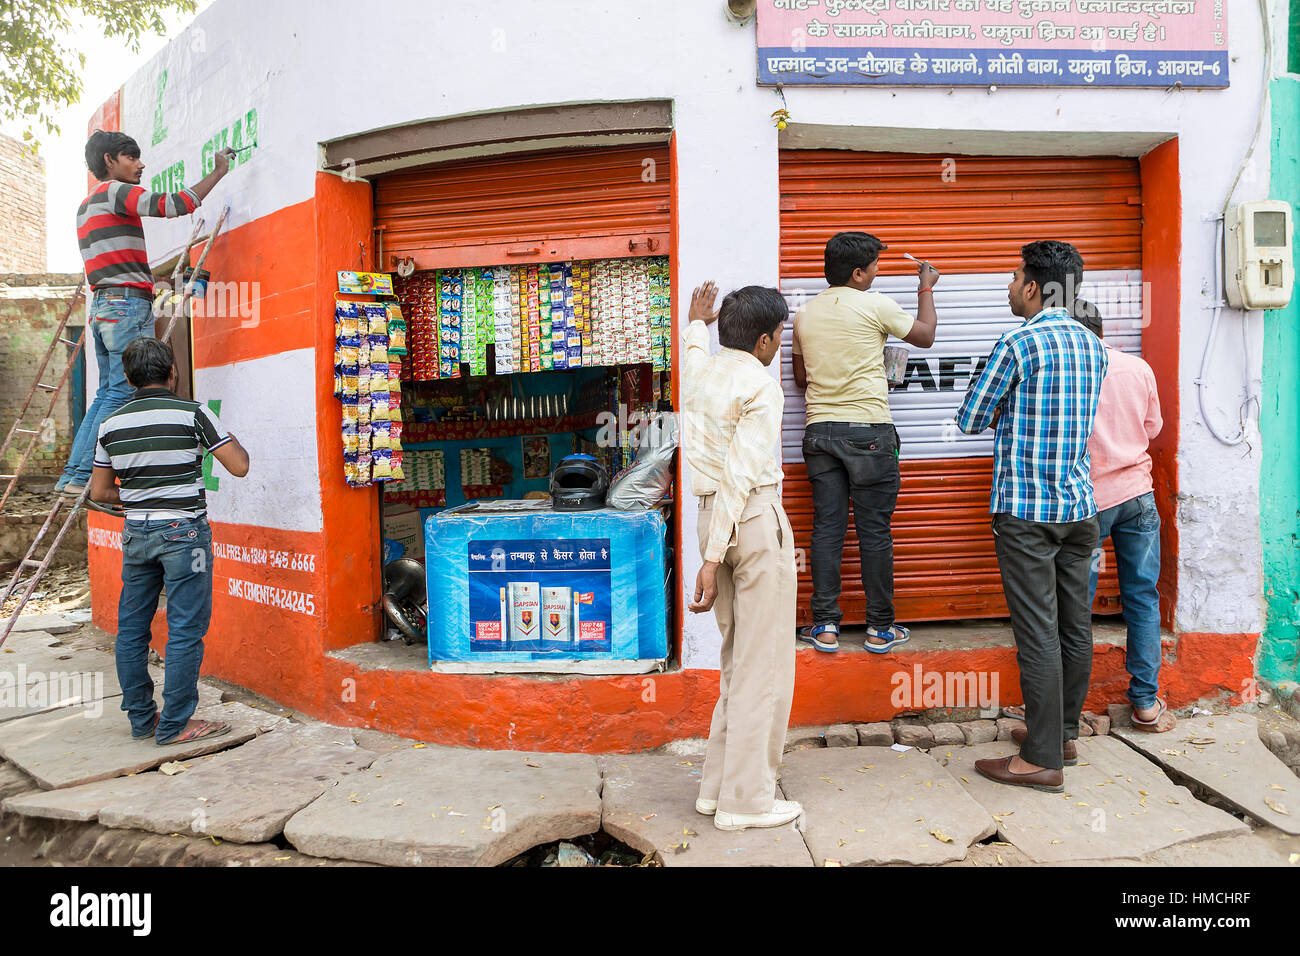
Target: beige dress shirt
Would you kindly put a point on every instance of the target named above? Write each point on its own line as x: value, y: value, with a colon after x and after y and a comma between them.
x: 732, y: 426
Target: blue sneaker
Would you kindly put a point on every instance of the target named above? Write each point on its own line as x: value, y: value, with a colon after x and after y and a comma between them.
x: 894, y: 635
x: 824, y: 637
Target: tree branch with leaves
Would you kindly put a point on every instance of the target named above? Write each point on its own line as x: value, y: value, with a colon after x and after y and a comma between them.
x: 42, y: 72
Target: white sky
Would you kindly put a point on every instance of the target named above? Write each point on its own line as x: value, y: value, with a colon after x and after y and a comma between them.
x: 108, y: 65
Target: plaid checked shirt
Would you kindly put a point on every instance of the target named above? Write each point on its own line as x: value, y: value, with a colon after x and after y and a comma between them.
x: 731, y: 429
x: 1046, y: 376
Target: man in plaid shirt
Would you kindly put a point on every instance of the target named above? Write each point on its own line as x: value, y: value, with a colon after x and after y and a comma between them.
x: 1040, y: 389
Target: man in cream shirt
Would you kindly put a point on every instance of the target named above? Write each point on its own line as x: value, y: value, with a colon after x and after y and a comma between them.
x: 850, y: 445
x: 732, y: 428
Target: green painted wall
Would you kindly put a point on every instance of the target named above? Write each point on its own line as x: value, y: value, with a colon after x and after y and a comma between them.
x: 1293, y: 56
x: 1279, y: 652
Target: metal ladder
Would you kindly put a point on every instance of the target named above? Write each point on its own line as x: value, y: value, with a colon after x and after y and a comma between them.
x: 40, y: 386
x: 28, y: 587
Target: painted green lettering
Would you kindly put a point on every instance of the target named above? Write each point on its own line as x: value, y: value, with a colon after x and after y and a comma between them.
x: 159, y: 130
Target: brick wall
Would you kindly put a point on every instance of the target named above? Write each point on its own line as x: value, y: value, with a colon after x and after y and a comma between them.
x: 30, y: 309
x: 22, y: 208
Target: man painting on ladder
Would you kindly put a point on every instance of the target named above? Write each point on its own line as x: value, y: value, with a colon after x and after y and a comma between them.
x: 111, y: 236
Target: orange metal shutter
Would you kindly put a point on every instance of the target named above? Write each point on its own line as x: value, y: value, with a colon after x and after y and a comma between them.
x: 969, y: 215
x: 569, y: 204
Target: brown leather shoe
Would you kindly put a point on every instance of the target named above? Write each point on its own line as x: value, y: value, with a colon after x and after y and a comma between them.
x: 1070, y: 751
x: 999, y: 769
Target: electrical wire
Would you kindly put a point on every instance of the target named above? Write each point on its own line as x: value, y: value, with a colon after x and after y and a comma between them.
x: 1251, y: 398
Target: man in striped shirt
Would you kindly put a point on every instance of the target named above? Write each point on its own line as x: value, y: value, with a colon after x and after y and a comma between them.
x: 111, y: 236
x: 154, y: 445
x: 1040, y: 387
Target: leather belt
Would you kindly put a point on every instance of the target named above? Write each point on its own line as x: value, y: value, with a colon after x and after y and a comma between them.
x: 123, y: 292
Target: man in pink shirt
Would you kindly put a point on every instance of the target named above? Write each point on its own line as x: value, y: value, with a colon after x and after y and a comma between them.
x: 1128, y: 417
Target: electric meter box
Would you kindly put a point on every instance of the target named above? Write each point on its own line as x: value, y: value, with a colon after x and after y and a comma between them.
x: 1260, y: 262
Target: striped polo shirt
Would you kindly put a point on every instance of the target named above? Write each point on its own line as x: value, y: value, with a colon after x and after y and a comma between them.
x: 111, y: 235
x: 155, y: 443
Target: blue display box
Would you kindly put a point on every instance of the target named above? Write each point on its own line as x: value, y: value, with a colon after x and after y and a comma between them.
x: 516, y: 582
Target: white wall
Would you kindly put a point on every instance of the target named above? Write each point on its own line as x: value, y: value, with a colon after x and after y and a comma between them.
x: 268, y: 404
x: 314, y: 74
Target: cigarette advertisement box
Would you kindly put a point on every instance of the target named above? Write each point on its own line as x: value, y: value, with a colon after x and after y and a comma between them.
x: 515, y: 582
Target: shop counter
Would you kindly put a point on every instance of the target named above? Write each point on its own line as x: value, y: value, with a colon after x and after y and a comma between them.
x: 516, y: 586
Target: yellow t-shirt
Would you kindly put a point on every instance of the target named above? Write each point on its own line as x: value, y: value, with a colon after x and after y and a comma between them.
x: 841, y: 335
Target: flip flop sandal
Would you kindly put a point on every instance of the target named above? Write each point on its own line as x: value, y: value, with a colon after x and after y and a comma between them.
x: 202, y: 728
x: 811, y: 635
x: 1158, y: 724
x: 1011, y: 712
x: 153, y: 728
x: 897, y: 633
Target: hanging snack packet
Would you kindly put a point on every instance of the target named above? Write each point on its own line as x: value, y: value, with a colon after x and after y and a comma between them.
x: 381, y: 467
x: 349, y: 324
x: 377, y: 319
x: 397, y: 336
x: 352, y: 414
x: 379, y: 435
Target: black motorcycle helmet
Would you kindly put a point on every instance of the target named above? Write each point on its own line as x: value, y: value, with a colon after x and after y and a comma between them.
x: 579, y: 483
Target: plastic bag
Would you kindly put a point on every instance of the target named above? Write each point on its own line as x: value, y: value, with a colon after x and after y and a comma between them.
x: 644, y: 483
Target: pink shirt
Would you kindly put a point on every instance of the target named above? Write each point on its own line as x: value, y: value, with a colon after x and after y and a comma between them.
x: 1128, y: 417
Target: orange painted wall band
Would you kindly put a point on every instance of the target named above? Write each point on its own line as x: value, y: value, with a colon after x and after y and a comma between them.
x: 1162, y: 257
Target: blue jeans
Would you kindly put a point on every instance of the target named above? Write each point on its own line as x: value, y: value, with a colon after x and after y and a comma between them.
x: 176, y: 554
x: 115, y: 324
x: 1134, y: 530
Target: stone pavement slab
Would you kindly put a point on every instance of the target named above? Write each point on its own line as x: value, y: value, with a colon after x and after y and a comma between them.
x: 72, y: 746
x: 874, y: 805
x: 49, y: 623
x: 427, y: 807
x: 1224, y: 754
x: 243, y: 795
x: 13, y: 781
x: 1264, y: 847
x: 1116, y: 805
x: 83, y: 803
x: 648, y: 802
x: 38, y: 673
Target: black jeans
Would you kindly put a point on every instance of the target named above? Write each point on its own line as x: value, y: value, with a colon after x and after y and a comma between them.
x: 1045, y: 568
x: 848, y: 461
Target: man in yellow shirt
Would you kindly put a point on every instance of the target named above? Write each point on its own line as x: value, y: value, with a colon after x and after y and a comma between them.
x: 850, y: 445
x: 732, y: 429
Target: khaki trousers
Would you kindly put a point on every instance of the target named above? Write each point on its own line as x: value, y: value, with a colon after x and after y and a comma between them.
x: 755, y: 611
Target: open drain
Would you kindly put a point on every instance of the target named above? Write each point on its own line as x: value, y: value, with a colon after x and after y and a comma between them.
x: 594, y: 849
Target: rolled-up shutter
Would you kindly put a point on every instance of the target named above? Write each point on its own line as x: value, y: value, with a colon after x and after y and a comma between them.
x: 536, y: 207
x: 969, y: 216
